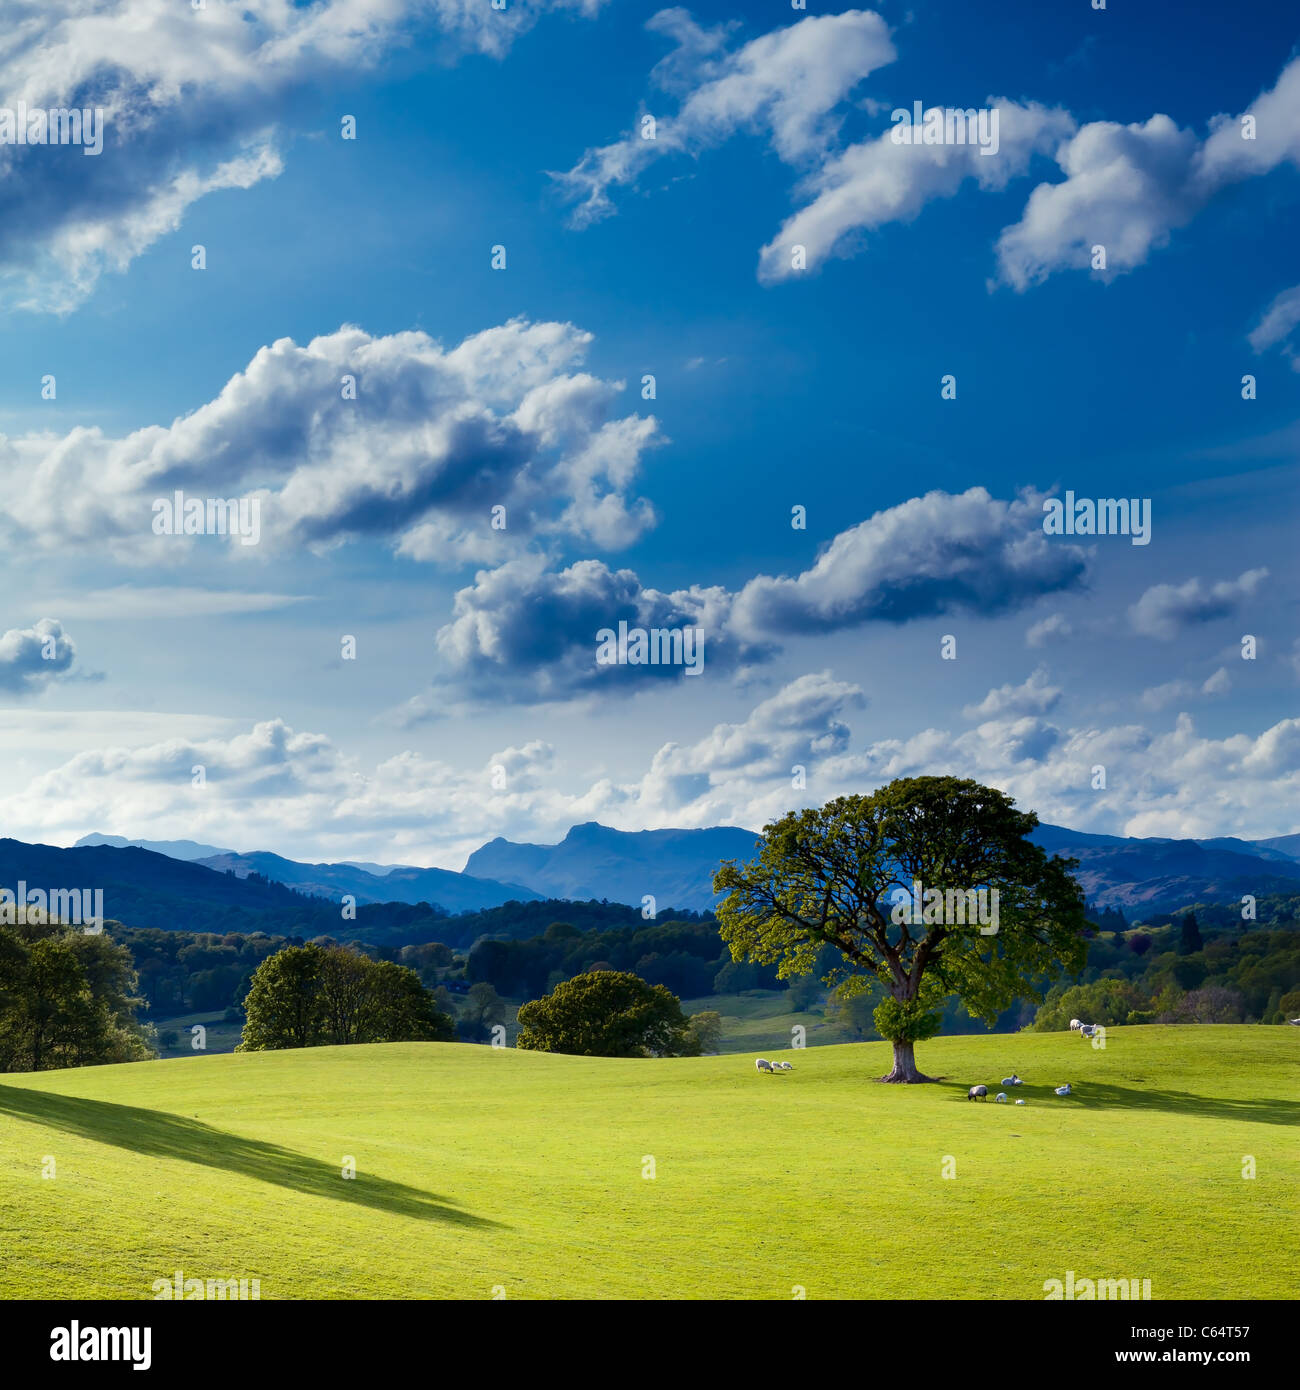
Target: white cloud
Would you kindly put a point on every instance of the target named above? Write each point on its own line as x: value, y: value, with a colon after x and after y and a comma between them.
x: 1166, y: 610
x: 784, y: 85
x: 1032, y: 696
x: 1157, y: 697
x: 877, y: 182
x: 191, y: 97
x: 939, y: 553
x: 1127, y: 187
x: 526, y: 632
x: 1277, y: 325
x: 297, y: 793
x: 34, y: 657
x: 432, y: 441
x: 1053, y: 628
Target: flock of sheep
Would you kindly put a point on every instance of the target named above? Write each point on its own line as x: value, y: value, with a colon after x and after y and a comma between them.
x: 1088, y: 1030
x: 976, y: 1092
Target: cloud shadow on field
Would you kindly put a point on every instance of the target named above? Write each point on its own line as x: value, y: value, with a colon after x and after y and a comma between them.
x: 159, y: 1134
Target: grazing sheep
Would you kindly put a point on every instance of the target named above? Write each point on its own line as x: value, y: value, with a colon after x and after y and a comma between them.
x: 1012, y: 1080
x: 1063, y: 1090
x: 785, y: 1066
x: 1019, y: 1101
x: 978, y: 1093
x: 763, y: 1064
x: 1001, y: 1096
x: 1074, y: 1023
x: 1296, y: 1021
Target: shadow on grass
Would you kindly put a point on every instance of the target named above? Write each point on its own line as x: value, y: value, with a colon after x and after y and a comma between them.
x: 158, y: 1134
x: 1095, y: 1095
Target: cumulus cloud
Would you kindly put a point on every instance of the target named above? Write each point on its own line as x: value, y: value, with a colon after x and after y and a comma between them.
x: 526, y: 632
x: 784, y: 85
x: 190, y: 98
x: 1128, y: 187
x: 34, y: 657
x: 418, y: 454
x: 939, y: 553
x: 877, y: 182
x: 1165, y: 610
x: 298, y: 793
x: 272, y: 786
x: 1032, y: 696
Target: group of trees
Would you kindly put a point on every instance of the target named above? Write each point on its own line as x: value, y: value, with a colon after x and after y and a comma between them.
x: 67, y: 999
x: 686, y: 957
x: 317, y: 996
x: 1177, y: 974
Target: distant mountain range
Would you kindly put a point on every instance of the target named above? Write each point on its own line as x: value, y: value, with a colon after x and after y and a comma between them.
x: 593, y: 861
x: 675, y: 867
x: 173, y: 849
x: 397, y: 884
x: 1156, y: 875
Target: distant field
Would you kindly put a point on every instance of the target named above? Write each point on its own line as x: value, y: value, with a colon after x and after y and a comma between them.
x: 481, y: 1167
x: 762, y: 1019
x: 218, y: 1035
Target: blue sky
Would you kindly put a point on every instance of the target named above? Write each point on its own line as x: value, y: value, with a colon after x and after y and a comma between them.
x: 474, y: 706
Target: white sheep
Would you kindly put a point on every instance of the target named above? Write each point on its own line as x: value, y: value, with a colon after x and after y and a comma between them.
x: 1075, y: 1024
x: 1019, y: 1101
x: 1012, y: 1080
x: 1001, y: 1096
x: 1088, y: 1030
x: 1063, y: 1090
x: 764, y: 1065
x: 785, y: 1066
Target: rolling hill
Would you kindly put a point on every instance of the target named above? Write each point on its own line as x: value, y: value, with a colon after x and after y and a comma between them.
x: 821, y: 1179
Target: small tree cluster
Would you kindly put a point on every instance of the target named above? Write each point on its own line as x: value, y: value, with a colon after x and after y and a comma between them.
x: 67, y: 999
x: 610, y: 1013
x: 318, y: 996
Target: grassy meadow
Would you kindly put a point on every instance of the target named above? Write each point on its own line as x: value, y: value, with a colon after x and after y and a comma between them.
x: 482, y: 1171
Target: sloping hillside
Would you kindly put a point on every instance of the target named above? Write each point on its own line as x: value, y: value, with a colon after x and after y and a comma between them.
x: 562, y: 1177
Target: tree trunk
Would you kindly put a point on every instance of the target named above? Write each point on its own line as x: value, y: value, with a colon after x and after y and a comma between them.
x: 905, y: 1072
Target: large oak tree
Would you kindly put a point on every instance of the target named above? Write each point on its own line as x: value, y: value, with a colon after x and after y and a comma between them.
x: 833, y: 876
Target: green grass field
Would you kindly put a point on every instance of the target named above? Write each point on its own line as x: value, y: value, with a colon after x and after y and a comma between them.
x: 479, y: 1168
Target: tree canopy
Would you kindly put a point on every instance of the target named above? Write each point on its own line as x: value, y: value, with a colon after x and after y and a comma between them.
x: 607, y: 1013
x: 841, y: 874
x: 67, y: 999
x: 317, y: 996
